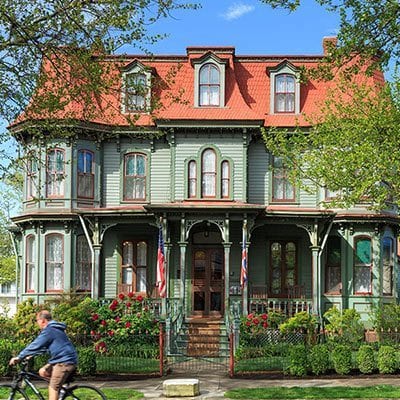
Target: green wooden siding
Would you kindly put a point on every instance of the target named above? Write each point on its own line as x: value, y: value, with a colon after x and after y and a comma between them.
x: 160, y: 172
x: 259, y: 174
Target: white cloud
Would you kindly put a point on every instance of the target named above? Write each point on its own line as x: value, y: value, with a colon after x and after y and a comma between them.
x: 237, y: 10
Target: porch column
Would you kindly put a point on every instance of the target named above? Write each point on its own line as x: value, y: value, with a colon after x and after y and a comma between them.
x: 227, y: 252
x: 316, y: 279
x: 182, y: 263
x: 96, y: 271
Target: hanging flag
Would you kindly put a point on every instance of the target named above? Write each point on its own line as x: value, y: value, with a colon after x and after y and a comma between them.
x: 243, y: 271
x: 162, y: 288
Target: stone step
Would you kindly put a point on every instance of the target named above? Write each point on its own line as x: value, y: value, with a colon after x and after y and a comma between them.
x: 181, y: 387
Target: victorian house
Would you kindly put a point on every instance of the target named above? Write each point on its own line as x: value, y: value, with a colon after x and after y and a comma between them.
x: 96, y: 196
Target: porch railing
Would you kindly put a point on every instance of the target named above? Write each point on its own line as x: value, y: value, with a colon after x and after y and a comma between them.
x: 288, y: 307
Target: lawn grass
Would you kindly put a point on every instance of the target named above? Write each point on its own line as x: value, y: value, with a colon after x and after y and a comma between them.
x: 320, y: 393
x: 127, y: 365
x: 111, y: 394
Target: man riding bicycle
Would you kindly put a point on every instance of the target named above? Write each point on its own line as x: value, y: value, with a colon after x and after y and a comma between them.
x: 63, y: 355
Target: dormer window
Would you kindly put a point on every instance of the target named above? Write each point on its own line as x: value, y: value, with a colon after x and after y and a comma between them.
x: 136, y: 88
x: 135, y: 92
x: 209, y: 81
x: 284, y: 93
x: 209, y: 86
x: 284, y: 89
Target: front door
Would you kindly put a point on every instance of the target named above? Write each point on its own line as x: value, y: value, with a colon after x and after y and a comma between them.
x: 208, y: 281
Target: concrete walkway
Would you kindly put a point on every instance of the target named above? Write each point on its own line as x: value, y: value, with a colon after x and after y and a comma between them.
x: 214, y: 385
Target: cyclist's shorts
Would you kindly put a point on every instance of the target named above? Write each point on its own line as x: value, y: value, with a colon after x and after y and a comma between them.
x: 59, y: 374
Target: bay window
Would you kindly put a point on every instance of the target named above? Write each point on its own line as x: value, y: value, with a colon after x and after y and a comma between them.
x: 85, y: 174
x: 83, y: 272
x: 54, y: 262
x: 55, y: 173
x: 362, y: 265
x: 30, y: 264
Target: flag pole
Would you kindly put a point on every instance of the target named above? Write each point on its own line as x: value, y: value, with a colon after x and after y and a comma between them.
x: 244, y: 269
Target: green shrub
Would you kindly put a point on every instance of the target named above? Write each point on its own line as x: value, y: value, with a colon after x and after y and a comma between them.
x: 344, y: 327
x: 39, y: 361
x: 386, y: 317
x: 366, y: 359
x: 318, y: 359
x: 5, y: 355
x: 387, y: 363
x: 87, y: 361
x: 300, y: 322
x: 341, y: 359
x: 298, y: 364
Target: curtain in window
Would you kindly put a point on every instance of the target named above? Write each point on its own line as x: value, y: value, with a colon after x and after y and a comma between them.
x: 284, y: 93
x: 135, y: 94
x: 282, y: 188
x: 135, y: 177
x: 225, y: 179
x: 209, y: 85
x: 54, y: 262
x: 192, y: 179
x: 83, y: 273
x: 55, y: 173
x: 208, y: 181
x: 31, y: 176
x: 30, y: 263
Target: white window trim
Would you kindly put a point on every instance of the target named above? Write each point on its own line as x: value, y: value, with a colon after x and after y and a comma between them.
x: 220, y: 65
x: 284, y: 68
x: 136, y: 68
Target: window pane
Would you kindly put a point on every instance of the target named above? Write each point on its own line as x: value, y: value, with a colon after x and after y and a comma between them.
x: 127, y: 253
x: 388, y: 264
x: 214, y: 75
x: 192, y: 171
x: 362, y: 280
x: 127, y: 275
x: 83, y: 264
x: 142, y: 254
x: 363, y: 251
x: 214, y: 95
x: 54, y: 262
x: 141, y: 279
x: 30, y: 263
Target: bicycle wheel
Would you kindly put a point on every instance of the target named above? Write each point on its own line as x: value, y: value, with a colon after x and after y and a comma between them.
x: 84, y: 392
x: 7, y: 392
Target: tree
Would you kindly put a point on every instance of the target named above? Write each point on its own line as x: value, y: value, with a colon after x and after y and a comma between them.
x: 11, y: 198
x: 368, y: 28
x: 352, y: 145
x: 66, y: 34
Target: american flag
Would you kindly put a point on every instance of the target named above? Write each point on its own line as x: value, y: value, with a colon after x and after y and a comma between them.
x: 162, y: 288
x: 243, y: 271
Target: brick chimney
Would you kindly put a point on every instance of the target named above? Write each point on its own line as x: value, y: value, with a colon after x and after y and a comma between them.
x: 328, y: 43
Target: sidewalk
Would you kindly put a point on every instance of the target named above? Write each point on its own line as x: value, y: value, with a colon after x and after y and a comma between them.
x: 214, y: 385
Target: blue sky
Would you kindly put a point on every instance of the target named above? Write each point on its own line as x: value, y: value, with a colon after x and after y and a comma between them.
x: 248, y: 25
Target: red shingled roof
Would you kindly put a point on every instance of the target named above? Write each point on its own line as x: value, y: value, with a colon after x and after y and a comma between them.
x: 247, y: 91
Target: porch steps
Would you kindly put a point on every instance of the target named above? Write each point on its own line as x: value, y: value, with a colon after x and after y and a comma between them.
x: 203, y: 338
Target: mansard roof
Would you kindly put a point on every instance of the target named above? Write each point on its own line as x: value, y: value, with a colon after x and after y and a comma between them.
x: 247, y: 91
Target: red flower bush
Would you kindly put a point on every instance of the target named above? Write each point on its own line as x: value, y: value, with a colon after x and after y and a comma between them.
x: 126, y: 318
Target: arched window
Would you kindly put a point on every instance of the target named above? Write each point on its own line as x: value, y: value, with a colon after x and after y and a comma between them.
x: 30, y: 264
x: 134, y: 266
x: 225, y: 179
x: 85, y: 174
x: 31, y: 177
x: 192, y: 179
x: 208, y: 173
x: 285, y: 85
x: 333, y: 278
x: 209, y: 86
x: 55, y: 173
x: 136, y: 92
x: 83, y: 272
x: 283, y: 266
x: 362, y: 265
x: 387, y: 266
x: 134, y: 176
x: 282, y: 189
x: 54, y: 262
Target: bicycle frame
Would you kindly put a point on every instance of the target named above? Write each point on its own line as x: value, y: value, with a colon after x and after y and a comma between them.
x: 24, y: 376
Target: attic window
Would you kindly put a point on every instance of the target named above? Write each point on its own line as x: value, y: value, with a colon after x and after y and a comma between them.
x: 209, y: 81
x: 285, y: 89
x: 136, y: 88
x: 209, y: 86
x: 135, y: 92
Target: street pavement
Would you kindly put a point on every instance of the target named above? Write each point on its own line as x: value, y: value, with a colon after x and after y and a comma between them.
x: 214, y: 384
